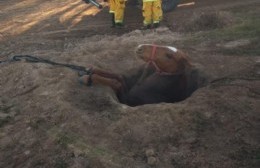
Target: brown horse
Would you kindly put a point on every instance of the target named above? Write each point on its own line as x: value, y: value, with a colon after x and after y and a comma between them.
x: 165, y: 77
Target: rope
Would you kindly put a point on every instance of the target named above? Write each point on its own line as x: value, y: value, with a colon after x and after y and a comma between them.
x: 33, y: 59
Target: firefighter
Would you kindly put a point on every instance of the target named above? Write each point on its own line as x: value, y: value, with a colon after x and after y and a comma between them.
x: 117, y: 10
x: 152, y: 13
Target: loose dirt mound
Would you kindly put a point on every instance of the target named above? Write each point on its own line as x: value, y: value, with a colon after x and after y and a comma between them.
x: 49, y: 119
x: 208, y: 20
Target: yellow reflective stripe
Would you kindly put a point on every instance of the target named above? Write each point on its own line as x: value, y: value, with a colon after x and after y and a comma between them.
x: 147, y: 23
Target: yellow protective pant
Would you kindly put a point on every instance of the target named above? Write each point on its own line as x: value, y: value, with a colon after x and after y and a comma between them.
x: 152, y: 11
x: 118, y: 8
x: 112, y: 6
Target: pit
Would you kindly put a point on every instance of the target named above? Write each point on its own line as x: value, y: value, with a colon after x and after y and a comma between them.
x: 162, y: 89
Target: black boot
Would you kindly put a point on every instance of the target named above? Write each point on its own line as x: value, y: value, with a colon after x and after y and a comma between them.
x: 156, y: 25
x: 145, y: 27
x: 113, y: 20
x: 119, y: 25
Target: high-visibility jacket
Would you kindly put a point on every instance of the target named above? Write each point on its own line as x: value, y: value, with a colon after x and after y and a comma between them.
x: 152, y: 11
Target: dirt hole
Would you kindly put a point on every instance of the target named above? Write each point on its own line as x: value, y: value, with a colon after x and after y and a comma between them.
x: 162, y: 88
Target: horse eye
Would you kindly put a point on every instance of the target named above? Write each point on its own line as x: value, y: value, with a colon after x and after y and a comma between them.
x: 139, y: 50
x: 169, y: 56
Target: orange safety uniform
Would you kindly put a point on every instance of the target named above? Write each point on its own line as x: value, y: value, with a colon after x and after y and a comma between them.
x: 152, y: 11
x: 117, y: 7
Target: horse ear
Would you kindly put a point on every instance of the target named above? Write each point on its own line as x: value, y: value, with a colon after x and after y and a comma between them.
x: 187, y: 62
x: 184, y: 63
x: 185, y: 59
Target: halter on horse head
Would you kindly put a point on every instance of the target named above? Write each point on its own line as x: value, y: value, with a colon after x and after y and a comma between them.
x: 166, y: 60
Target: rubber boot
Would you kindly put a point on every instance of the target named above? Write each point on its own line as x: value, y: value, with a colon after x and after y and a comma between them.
x: 156, y: 25
x: 119, y: 25
x: 145, y: 27
x: 113, y: 20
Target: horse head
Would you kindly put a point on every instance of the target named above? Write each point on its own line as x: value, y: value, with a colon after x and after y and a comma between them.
x: 164, y: 58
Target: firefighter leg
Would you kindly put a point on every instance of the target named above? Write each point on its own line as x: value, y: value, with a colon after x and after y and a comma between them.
x: 119, y: 12
x: 147, y: 14
x: 112, y: 6
x: 113, y: 19
x: 157, y: 13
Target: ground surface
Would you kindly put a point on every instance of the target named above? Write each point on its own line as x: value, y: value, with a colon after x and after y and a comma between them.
x: 47, y: 119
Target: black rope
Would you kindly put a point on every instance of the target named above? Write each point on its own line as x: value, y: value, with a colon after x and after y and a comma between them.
x: 33, y: 59
x: 2, y: 62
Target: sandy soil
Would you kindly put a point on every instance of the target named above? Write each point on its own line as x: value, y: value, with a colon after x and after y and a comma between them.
x: 47, y: 119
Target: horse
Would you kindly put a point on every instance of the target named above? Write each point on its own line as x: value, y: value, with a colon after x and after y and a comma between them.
x: 167, y: 75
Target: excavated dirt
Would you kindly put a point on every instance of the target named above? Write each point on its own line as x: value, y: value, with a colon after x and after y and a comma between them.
x: 47, y: 119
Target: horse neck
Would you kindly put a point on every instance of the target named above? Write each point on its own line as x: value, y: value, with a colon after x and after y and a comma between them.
x: 147, y: 71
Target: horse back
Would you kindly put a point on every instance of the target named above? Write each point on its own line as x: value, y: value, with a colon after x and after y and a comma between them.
x: 155, y: 89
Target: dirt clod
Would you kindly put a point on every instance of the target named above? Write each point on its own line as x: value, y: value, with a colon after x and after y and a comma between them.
x: 149, y: 152
x: 151, y: 160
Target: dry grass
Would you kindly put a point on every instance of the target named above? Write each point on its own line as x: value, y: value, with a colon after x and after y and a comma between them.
x: 208, y: 20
